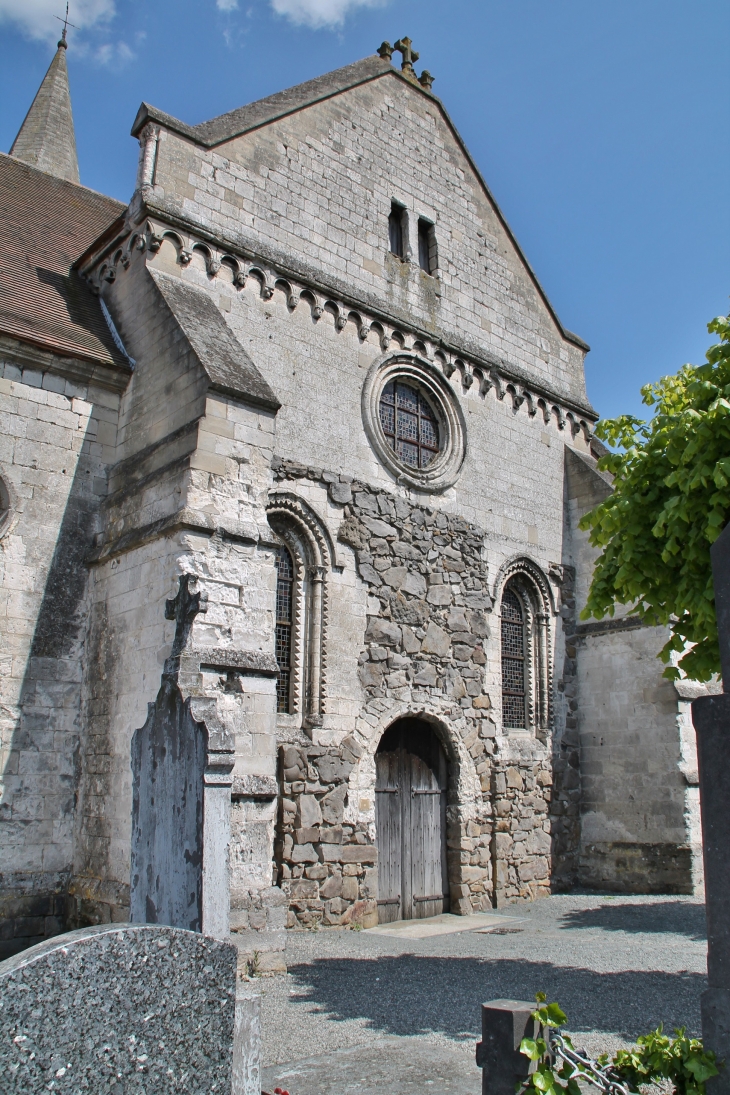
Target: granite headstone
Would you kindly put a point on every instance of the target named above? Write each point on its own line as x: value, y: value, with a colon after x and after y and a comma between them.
x: 124, y: 1009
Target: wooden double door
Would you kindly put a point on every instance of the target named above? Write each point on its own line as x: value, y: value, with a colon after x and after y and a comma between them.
x: 410, y: 816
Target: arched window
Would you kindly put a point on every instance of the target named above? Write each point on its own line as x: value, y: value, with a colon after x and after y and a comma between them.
x: 409, y: 424
x: 284, y: 624
x: 525, y: 652
x: 303, y: 560
x: 513, y: 662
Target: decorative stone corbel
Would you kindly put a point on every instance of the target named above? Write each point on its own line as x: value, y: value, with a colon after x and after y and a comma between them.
x: 154, y: 238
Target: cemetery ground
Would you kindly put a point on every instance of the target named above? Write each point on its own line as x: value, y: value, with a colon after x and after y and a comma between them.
x: 365, y: 1013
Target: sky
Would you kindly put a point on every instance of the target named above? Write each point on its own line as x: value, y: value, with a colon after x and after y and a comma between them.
x: 600, y: 128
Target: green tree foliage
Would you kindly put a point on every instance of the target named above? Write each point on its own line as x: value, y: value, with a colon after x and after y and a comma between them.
x: 655, y: 1059
x: 671, y: 500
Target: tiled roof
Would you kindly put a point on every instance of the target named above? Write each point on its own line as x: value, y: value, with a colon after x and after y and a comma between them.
x: 45, y: 225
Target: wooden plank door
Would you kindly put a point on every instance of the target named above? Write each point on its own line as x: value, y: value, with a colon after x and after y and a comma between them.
x: 389, y: 824
x: 410, y: 817
x: 428, y: 888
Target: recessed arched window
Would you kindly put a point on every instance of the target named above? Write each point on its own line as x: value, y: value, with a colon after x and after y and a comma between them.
x: 514, y: 683
x: 284, y: 623
x: 409, y: 424
x: 525, y: 651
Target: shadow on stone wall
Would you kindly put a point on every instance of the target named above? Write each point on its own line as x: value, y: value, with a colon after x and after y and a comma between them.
x: 42, y: 773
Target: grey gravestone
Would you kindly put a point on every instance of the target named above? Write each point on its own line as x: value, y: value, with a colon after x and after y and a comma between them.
x: 125, y: 1009
x: 504, y: 1024
x: 711, y: 718
x: 182, y: 764
x: 168, y: 768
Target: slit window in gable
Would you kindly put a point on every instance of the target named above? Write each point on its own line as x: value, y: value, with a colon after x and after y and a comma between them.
x: 427, y: 246
x: 397, y: 230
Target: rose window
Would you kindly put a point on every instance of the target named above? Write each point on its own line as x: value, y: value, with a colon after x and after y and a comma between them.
x: 409, y: 424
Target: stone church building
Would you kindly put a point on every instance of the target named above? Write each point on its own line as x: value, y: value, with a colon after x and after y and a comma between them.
x: 293, y: 450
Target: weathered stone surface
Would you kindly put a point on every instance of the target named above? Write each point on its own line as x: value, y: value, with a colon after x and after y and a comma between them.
x: 414, y: 584
x: 379, y: 528
x: 426, y: 675
x: 303, y: 853
x: 384, y: 632
x: 308, y: 812
x: 436, y: 640
x: 358, y: 853
x: 333, y: 805
x: 72, y: 1007
x: 395, y: 576
x: 439, y: 595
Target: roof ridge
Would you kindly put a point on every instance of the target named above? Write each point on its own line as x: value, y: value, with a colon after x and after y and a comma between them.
x: 263, y: 111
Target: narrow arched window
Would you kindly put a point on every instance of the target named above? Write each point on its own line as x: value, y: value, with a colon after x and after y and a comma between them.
x: 284, y: 622
x: 514, y: 682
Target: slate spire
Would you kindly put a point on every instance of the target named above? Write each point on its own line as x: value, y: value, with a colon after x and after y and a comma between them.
x: 46, y: 139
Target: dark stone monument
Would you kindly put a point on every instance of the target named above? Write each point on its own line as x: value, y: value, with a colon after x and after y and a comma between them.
x: 127, y: 1009
x: 504, y: 1024
x: 711, y: 718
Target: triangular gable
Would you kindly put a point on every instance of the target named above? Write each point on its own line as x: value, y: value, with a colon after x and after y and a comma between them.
x: 263, y: 112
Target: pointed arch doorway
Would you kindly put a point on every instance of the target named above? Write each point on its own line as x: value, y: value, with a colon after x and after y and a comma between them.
x: 410, y: 817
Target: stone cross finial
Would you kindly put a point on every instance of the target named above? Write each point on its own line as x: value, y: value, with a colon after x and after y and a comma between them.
x: 385, y: 50
x: 403, y: 45
x: 66, y: 25
x: 183, y: 608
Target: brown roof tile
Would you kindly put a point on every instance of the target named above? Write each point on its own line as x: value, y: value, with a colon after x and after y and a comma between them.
x: 45, y: 225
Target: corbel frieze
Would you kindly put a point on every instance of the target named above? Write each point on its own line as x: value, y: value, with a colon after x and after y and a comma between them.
x: 248, y: 271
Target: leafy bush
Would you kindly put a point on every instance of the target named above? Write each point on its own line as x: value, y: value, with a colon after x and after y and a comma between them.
x: 681, y: 1060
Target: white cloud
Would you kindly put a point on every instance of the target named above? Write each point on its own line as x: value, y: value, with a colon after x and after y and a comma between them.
x: 226, y: 5
x: 320, y: 13
x: 36, y: 17
x: 113, y: 54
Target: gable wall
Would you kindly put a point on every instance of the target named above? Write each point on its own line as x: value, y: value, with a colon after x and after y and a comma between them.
x: 316, y: 189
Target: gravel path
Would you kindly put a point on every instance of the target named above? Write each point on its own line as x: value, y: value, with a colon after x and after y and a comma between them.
x: 618, y: 966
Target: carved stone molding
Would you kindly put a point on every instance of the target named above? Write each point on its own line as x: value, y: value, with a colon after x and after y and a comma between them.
x: 245, y: 270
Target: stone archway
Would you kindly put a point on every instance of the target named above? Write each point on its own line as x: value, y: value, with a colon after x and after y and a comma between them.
x: 412, y: 775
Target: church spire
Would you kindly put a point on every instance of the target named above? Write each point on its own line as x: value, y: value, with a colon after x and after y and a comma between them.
x: 46, y: 139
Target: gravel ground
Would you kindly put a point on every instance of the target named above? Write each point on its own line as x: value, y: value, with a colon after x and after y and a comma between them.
x: 617, y: 965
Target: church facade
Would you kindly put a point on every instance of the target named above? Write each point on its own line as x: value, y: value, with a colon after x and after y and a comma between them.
x: 293, y: 456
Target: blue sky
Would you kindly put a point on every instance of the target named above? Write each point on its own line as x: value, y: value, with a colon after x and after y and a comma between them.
x: 601, y: 129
